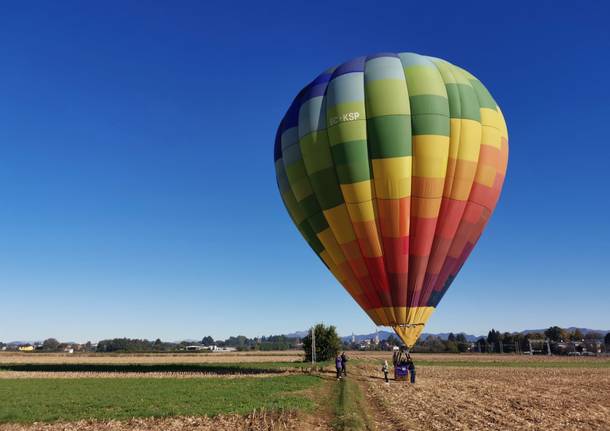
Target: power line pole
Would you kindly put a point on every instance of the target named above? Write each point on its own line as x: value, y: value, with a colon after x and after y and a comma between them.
x: 313, y: 345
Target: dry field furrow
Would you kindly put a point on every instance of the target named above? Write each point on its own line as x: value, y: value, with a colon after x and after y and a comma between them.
x: 256, y: 421
x: 465, y: 398
x: 484, y: 357
x: 147, y: 359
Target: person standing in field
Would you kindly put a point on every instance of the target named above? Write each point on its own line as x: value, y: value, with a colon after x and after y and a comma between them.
x: 411, y: 368
x: 385, y: 369
x: 338, y: 366
x: 344, y: 360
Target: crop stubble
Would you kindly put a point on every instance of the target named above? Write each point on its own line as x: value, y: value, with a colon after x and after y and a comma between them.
x: 472, y: 398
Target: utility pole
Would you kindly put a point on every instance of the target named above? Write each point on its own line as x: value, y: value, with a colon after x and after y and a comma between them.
x: 313, y: 344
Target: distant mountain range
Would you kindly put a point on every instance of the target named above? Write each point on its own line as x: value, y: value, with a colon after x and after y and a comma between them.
x: 298, y: 334
x: 383, y: 335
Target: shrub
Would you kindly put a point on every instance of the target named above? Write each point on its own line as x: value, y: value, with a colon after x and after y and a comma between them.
x: 328, y: 343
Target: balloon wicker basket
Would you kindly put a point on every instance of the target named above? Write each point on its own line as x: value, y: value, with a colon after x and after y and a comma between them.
x: 401, y: 373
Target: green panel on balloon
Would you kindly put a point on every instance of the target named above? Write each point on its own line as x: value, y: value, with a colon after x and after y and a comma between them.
x: 389, y: 136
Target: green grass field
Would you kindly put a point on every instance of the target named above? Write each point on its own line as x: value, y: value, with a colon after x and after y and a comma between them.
x: 29, y: 400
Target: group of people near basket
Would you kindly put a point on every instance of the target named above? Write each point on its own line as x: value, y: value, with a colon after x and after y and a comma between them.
x: 400, y: 360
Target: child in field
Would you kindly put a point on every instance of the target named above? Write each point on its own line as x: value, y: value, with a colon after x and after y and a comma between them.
x: 386, y: 370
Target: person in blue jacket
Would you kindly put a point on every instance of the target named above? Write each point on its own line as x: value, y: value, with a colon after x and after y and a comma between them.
x: 344, y: 360
x: 338, y: 366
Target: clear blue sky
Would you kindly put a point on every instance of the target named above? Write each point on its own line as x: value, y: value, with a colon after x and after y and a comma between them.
x: 137, y: 187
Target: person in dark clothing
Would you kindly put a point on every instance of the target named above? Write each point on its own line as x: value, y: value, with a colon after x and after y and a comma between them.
x: 411, y: 368
x: 344, y: 360
x: 338, y: 366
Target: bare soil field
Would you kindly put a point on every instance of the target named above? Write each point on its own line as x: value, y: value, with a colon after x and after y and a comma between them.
x: 257, y: 421
x: 152, y: 358
x: 473, y: 398
x: 487, y: 357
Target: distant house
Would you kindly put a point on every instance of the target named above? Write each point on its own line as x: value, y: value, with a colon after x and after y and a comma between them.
x: 26, y: 348
x: 213, y: 348
x: 578, y: 348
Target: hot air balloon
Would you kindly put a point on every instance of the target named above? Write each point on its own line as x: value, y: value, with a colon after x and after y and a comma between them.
x: 390, y: 166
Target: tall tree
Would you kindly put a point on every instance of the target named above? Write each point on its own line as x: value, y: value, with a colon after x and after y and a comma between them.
x: 328, y: 343
x: 50, y: 345
x: 555, y: 333
x: 207, y: 341
x: 607, y: 338
x: 493, y: 336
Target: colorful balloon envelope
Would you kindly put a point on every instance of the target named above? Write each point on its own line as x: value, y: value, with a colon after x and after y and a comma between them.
x: 390, y: 166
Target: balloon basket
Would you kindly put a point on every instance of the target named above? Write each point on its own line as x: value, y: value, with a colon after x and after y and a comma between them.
x: 401, y: 373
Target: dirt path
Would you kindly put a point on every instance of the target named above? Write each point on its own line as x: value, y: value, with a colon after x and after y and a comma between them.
x: 379, y: 419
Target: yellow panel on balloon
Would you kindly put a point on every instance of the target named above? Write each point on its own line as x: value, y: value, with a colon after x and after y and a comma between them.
x: 392, y: 177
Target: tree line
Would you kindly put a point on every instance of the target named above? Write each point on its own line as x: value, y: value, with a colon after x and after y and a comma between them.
x: 136, y: 345
x: 508, y: 342
x: 239, y: 342
x: 328, y: 343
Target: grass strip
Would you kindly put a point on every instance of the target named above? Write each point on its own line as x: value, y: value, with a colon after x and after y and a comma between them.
x: 350, y: 410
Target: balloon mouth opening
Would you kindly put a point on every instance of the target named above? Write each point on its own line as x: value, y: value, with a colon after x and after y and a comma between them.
x: 409, y: 332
